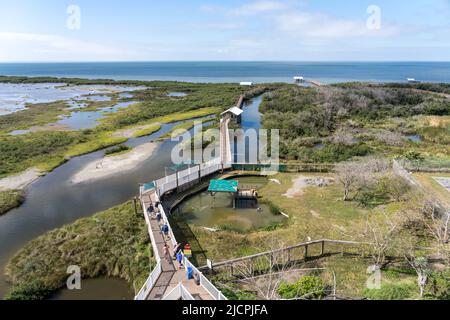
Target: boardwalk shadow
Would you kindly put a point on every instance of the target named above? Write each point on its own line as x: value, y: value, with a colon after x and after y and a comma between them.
x: 184, y: 235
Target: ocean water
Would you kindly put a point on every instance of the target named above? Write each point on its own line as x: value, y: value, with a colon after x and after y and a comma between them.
x: 258, y: 72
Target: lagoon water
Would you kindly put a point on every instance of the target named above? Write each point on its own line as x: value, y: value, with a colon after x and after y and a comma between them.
x: 222, y: 71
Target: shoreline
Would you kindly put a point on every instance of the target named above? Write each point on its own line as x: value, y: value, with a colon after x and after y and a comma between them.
x: 108, y: 166
x: 20, y: 181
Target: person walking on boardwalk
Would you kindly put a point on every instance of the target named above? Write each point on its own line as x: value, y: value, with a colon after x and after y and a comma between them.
x: 158, y: 216
x: 165, y: 230
x: 176, y: 249
x: 166, y: 253
x: 180, y: 259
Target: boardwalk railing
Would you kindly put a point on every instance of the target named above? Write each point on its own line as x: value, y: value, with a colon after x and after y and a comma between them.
x: 179, y: 292
x: 205, y: 283
x: 288, y: 251
x: 148, y: 286
x: 185, y: 177
x: 159, y: 188
x: 166, y: 220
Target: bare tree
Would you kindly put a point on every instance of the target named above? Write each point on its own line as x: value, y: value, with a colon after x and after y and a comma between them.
x: 420, y: 265
x: 349, y: 175
x: 264, y: 274
x: 355, y: 175
x: 437, y: 221
x: 381, y: 234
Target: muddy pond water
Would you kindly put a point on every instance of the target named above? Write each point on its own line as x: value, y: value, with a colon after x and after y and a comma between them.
x: 218, y: 212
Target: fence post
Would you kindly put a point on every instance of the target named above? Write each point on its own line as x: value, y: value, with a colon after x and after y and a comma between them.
x: 135, y: 206
x: 306, y: 252
x: 322, y: 249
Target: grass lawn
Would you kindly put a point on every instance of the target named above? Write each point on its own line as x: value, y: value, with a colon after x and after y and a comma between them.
x: 318, y: 213
x: 436, y: 189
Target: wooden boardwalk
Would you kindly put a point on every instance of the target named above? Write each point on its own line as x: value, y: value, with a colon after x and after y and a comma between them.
x: 171, y: 275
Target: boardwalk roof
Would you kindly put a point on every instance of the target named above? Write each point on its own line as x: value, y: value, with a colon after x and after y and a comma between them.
x: 235, y: 111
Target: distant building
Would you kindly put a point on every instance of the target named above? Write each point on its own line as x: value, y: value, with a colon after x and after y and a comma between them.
x: 412, y: 80
x: 299, y: 79
x: 247, y: 84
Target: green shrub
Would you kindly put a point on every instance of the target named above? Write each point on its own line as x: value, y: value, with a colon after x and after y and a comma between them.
x: 33, y: 290
x: 236, y: 294
x: 392, y: 292
x: 310, y: 287
x: 10, y: 199
x: 438, y: 286
x: 119, y: 149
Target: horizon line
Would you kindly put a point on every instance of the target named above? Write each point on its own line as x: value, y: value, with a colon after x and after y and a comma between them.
x: 190, y: 61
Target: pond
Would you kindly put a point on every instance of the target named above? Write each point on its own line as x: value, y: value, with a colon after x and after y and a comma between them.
x: 80, y: 120
x: 15, y: 97
x: 414, y: 138
x: 177, y: 94
x: 96, y: 98
x: 217, y: 211
x: 98, y: 289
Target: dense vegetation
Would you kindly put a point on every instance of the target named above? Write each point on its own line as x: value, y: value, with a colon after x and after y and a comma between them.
x: 336, y: 123
x: 48, y: 149
x: 117, y: 150
x: 308, y: 287
x: 112, y: 243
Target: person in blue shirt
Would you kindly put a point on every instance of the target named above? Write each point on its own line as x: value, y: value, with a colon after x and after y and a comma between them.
x: 180, y: 259
x: 165, y: 230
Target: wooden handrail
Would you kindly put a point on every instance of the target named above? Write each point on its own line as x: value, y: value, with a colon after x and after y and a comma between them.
x: 300, y: 245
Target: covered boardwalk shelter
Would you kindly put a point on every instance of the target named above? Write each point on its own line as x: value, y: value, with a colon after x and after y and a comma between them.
x: 234, y: 113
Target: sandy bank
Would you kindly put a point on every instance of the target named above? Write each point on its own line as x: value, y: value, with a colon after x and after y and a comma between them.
x: 20, y: 181
x: 115, y: 164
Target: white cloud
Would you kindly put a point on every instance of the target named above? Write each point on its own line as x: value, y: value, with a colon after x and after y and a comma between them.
x: 259, y: 7
x: 318, y: 25
x: 45, y: 47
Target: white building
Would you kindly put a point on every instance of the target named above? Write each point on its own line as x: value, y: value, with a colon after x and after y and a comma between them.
x: 247, y: 84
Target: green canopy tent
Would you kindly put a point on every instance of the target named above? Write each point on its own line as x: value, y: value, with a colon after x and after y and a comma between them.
x: 224, y: 186
x: 230, y: 186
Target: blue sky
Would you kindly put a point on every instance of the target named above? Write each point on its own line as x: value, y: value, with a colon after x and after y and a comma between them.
x: 300, y: 30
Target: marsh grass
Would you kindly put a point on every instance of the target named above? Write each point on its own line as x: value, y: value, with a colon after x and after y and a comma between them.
x: 10, y: 199
x: 112, y: 243
x: 147, y: 131
x: 118, y: 150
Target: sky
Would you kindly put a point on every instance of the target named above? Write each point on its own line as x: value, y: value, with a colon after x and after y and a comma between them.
x: 209, y: 30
